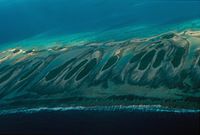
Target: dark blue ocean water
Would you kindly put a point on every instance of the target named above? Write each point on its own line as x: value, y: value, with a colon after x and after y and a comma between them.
x: 101, y: 123
x: 22, y: 19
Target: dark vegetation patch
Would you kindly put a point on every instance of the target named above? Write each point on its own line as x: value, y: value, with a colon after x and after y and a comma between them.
x: 35, y: 67
x: 52, y: 74
x: 178, y: 56
x: 16, y: 50
x: 110, y: 62
x: 159, y: 45
x: 146, y: 60
x: 87, y: 69
x: 2, y: 69
x: 74, y: 70
x: 6, y: 76
x: 168, y: 36
x: 137, y: 57
x: 159, y: 58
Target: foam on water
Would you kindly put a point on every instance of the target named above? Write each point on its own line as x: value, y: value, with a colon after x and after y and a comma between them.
x: 129, y: 108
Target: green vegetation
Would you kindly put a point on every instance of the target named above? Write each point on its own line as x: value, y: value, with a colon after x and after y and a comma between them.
x: 52, y: 74
x: 146, y: 60
x: 137, y: 57
x: 74, y: 70
x: 110, y: 62
x: 178, y: 56
x: 87, y: 69
x: 35, y: 67
x: 6, y: 76
x: 159, y: 58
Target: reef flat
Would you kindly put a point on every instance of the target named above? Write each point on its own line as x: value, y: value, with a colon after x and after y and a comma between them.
x: 160, y: 70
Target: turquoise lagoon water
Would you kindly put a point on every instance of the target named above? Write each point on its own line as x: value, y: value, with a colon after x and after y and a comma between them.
x: 36, y: 23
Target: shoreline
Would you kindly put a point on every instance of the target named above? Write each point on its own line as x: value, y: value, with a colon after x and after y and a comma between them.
x: 114, y: 108
x: 178, y: 96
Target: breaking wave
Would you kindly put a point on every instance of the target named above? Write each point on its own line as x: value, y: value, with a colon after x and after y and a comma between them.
x: 129, y: 108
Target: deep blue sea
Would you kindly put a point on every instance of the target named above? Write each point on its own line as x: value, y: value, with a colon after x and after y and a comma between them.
x: 101, y: 123
x: 41, y: 23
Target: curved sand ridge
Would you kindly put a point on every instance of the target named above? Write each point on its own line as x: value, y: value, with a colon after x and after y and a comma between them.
x: 164, y: 69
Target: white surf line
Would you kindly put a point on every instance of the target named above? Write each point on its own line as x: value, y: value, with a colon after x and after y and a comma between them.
x: 129, y: 108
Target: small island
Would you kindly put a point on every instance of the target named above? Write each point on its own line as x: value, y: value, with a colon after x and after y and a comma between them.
x: 161, y: 70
